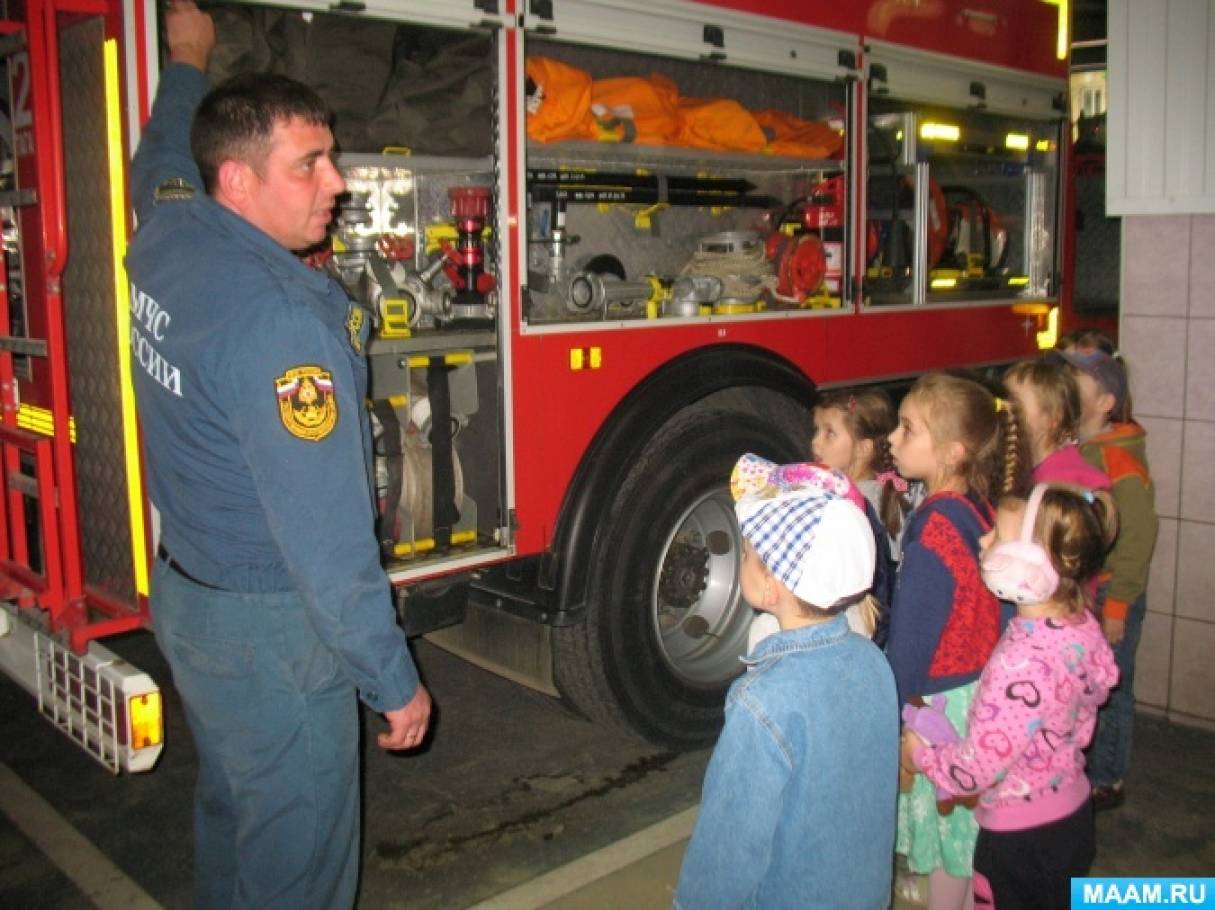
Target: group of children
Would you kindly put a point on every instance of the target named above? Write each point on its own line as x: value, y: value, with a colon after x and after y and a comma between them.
x: 997, y: 552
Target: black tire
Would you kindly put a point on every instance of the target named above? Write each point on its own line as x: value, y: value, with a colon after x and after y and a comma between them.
x: 635, y: 661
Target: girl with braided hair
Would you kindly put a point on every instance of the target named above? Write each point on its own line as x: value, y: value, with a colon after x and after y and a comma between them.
x: 967, y: 448
x: 849, y: 434
x: 1048, y: 401
x: 851, y: 430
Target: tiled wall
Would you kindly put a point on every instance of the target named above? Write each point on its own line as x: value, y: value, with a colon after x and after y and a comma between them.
x: 1167, y: 335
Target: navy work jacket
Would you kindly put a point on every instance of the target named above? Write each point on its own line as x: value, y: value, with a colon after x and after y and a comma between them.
x: 250, y: 380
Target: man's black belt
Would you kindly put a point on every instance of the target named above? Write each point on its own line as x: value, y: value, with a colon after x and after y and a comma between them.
x: 163, y: 555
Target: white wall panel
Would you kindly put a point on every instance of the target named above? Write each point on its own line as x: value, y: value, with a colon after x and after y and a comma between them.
x: 1161, y: 127
x: 1146, y: 100
x: 1186, y: 97
x: 1209, y: 178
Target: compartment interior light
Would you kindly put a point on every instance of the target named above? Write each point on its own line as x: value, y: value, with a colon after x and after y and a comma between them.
x: 1049, y: 336
x: 1043, y: 145
x: 1017, y: 141
x: 946, y: 132
x: 943, y: 284
x: 379, y: 193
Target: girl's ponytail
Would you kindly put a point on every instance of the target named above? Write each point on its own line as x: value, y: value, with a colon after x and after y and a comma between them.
x: 870, y: 416
x: 965, y: 411
x: 1076, y: 527
x: 894, y: 504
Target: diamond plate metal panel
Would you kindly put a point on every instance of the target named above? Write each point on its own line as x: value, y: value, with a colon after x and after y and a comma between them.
x: 88, y: 292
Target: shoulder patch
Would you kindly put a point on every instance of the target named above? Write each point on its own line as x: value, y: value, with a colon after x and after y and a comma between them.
x: 307, y: 405
x: 175, y: 189
x: 355, y: 318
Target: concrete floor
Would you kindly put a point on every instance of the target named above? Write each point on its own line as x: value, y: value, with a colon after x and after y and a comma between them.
x: 508, y: 786
x: 513, y: 797
x: 1163, y: 829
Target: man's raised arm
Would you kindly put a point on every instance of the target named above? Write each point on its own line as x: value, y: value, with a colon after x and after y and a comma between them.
x: 164, y: 149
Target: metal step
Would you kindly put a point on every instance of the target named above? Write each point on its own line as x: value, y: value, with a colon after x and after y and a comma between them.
x: 31, y: 347
x: 12, y: 41
x: 15, y: 199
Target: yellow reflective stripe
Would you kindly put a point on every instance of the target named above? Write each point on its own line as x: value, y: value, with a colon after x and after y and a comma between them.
x: 451, y: 359
x: 122, y: 309
x: 42, y: 421
x: 427, y: 544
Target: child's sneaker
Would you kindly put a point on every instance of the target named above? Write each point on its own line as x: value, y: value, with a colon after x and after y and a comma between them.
x: 1108, y: 797
x: 910, y: 889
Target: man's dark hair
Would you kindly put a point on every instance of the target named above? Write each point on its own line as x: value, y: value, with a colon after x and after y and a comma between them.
x: 236, y: 120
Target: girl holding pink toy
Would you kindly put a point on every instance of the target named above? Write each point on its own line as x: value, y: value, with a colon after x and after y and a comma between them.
x: 1036, y: 705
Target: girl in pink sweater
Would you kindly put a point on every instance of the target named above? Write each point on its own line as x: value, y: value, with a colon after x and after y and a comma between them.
x: 1048, y: 398
x: 1036, y: 704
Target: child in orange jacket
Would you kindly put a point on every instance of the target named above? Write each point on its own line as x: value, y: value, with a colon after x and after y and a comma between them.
x: 1113, y: 442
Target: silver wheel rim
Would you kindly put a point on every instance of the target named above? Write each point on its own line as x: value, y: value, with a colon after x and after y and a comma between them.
x: 701, y: 633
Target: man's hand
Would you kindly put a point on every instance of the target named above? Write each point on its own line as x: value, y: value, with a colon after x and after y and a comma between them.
x: 190, y: 34
x: 407, y: 725
x: 1114, y: 630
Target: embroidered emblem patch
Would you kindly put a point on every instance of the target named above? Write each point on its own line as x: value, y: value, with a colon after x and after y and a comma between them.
x: 355, y: 317
x: 172, y: 190
x: 306, y: 403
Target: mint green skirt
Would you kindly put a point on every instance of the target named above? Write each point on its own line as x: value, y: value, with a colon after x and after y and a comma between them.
x: 927, y: 838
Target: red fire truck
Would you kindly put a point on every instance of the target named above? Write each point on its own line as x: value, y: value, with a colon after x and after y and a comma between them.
x: 607, y: 246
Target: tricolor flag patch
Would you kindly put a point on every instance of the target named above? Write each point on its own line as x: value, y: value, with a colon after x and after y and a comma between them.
x: 306, y: 402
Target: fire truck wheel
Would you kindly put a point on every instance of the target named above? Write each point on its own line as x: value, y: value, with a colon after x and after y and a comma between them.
x: 665, y: 623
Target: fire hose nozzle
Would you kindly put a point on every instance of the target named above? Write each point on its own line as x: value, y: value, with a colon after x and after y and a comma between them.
x: 592, y: 291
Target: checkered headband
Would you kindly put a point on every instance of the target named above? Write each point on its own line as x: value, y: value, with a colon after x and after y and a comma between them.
x: 782, y: 531
x: 808, y: 526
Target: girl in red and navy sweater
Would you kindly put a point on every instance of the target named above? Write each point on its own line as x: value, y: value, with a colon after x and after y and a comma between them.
x: 965, y: 445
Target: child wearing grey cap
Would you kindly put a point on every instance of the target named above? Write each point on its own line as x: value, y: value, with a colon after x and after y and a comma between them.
x: 1113, y: 442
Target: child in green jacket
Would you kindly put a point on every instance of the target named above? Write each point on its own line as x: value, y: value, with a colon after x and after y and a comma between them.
x: 1113, y: 442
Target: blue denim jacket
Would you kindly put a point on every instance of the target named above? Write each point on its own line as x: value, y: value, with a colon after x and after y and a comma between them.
x: 798, y: 807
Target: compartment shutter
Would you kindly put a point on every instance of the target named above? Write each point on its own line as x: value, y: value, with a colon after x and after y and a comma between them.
x: 444, y: 13
x: 912, y: 75
x: 696, y: 32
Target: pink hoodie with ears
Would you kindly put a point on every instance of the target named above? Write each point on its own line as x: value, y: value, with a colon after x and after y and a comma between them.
x: 1031, y: 718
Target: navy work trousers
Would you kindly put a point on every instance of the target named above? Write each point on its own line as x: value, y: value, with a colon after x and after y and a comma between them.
x: 276, y: 806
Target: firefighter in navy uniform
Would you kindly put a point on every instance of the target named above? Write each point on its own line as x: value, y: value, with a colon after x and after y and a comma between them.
x: 268, y: 597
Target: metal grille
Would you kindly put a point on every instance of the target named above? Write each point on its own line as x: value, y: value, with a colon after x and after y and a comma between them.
x: 1098, y: 245
x: 79, y: 699
x: 88, y: 291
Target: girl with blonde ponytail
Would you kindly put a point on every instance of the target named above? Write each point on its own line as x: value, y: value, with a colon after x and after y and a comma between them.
x: 967, y: 447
